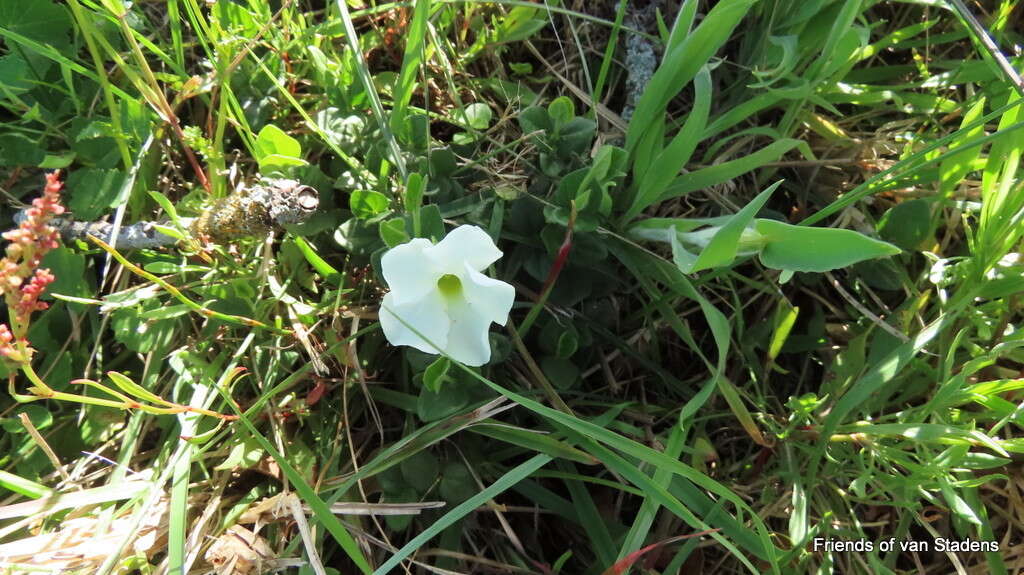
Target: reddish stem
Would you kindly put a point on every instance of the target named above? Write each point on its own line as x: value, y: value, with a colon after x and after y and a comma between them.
x: 563, y: 254
x: 622, y: 566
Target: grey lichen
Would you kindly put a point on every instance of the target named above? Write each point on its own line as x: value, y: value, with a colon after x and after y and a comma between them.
x: 257, y: 210
x: 641, y: 59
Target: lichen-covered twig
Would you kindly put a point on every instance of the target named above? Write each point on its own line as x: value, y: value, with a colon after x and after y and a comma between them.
x: 641, y: 59
x: 138, y: 236
x: 251, y: 211
x: 256, y: 210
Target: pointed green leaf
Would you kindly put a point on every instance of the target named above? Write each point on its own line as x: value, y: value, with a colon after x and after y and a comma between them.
x: 805, y: 249
x: 722, y: 248
x: 133, y: 389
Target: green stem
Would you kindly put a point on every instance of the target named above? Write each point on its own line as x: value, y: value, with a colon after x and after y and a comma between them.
x: 549, y: 390
x: 198, y: 308
x: 88, y: 32
x: 556, y: 269
x: 42, y: 391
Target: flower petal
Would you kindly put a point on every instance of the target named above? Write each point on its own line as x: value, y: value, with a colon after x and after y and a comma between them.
x: 409, y: 273
x: 426, y: 315
x: 468, y: 244
x: 487, y: 296
x: 467, y: 337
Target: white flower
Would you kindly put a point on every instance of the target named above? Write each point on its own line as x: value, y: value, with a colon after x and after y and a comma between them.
x: 438, y: 291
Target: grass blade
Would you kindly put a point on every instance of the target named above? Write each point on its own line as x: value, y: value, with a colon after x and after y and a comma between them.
x: 509, y: 479
x: 681, y: 64
x: 412, y: 62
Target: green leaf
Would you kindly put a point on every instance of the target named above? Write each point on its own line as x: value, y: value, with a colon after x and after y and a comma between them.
x: 609, y: 163
x: 476, y: 116
x: 847, y: 47
x: 907, y: 224
x: 784, y: 58
x: 138, y: 334
x: 832, y: 55
x: 957, y: 505
x: 433, y: 224
x: 68, y: 268
x: 436, y: 374
x: 926, y: 433
x: 14, y: 74
x: 40, y: 20
x: 412, y: 61
x: 666, y: 165
x: 166, y: 312
x: 166, y: 267
x: 659, y: 229
x: 170, y: 231
x: 534, y: 119
x: 125, y: 384
x: 40, y: 417
x: 723, y: 247
x: 785, y: 318
x: 244, y: 455
x: 116, y: 7
x: 562, y: 373
x: 319, y: 264
x: 366, y: 203
x: 431, y: 406
x: 81, y: 300
x: 534, y: 441
x: 739, y: 409
x: 393, y: 232
x: 561, y: 110
x: 357, y: 236
x: 457, y: 483
x: 956, y: 165
x: 805, y: 249
x: 18, y: 150
x: 93, y: 192
x: 94, y: 143
x: 575, y: 137
x: 516, y: 25
x: 273, y: 140
x: 399, y: 523
x: 568, y: 343
x: 277, y: 162
x: 166, y: 205
x: 25, y: 487
x: 420, y: 470
x: 234, y: 17
x: 572, y: 186
x: 415, y: 186
x: 649, y: 508
x: 276, y: 149
x: 726, y: 171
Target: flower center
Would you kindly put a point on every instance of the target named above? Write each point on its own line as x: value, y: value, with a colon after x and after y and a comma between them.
x: 449, y: 285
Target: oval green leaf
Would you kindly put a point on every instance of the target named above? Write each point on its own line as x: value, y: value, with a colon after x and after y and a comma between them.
x: 366, y: 203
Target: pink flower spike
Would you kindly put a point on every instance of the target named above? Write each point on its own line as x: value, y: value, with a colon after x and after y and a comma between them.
x: 21, y: 282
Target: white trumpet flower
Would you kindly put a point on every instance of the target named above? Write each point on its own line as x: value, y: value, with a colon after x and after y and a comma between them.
x: 439, y: 301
